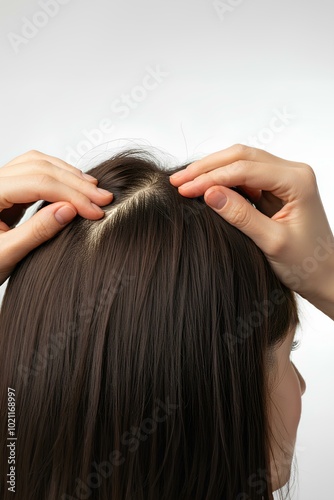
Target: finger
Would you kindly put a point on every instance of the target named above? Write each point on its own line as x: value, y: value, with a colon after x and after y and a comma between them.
x: 280, y: 180
x: 42, y: 226
x: 69, y: 176
x: 31, y: 188
x: 220, y: 159
x: 35, y: 156
x: 241, y: 214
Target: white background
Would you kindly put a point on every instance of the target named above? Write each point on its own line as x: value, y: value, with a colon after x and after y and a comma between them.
x: 225, y: 77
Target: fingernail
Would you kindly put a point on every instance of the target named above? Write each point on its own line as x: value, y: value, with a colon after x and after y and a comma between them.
x: 104, y: 192
x: 98, y: 209
x: 216, y: 200
x: 64, y: 215
x: 177, y: 175
x: 89, y: 177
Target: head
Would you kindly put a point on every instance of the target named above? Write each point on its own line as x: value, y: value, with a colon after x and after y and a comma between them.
x: 149, y: 353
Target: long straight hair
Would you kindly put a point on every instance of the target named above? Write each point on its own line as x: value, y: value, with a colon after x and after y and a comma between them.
x: 136, y: 348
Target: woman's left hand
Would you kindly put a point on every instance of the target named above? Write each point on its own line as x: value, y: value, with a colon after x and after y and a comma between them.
x: 35, y: 176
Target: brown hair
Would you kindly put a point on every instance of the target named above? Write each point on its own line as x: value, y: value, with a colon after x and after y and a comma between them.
x: 138, y: 347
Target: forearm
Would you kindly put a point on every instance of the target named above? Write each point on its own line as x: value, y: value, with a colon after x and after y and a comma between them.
x: 322, y: 295
x: 326, y: 306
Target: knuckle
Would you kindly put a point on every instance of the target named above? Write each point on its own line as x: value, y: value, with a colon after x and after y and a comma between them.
x: 44, y: 167
x: 243, y: 150
x: 43, y: 164
x: 308, y: 181
x: 239, y: 148
x: 241, y: 216
x: 309, y: 173
x: 33, y: 153
x: 40, y: 230
x: 239, y: 166
x: 236, y: 169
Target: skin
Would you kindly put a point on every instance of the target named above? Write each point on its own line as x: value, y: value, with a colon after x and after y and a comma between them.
x: 286, y: 389
x: 35, y: 176
x: 286, y: 219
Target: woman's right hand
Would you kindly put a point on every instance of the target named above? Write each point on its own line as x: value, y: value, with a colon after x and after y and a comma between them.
x: 289, y: 223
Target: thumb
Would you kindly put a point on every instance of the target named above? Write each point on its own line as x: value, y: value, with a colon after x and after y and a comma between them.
x: 41, y: 227
x: 236, y: 210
